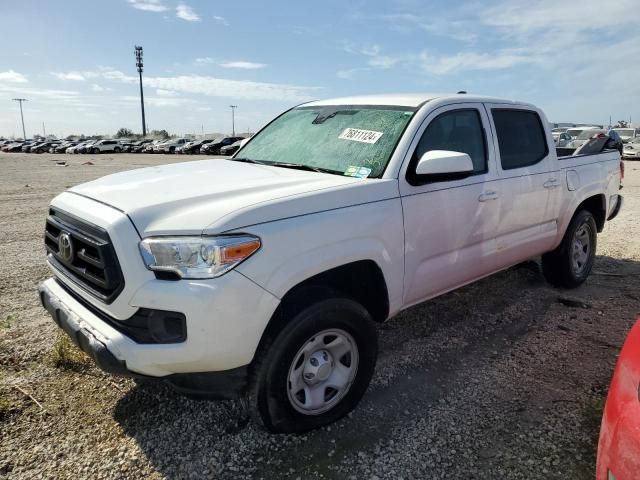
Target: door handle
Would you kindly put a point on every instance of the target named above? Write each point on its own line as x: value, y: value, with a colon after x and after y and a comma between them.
x: 486, y: 196
x: 551, y: 183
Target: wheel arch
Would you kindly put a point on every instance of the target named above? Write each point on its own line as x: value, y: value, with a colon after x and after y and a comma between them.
x: 360, y: 280
x: 597, y: 206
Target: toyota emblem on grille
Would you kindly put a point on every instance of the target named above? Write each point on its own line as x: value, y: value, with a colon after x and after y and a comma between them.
x: 65, y: 247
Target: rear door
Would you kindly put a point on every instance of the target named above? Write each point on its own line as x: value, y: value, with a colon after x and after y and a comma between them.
x: 449, y: 223
x: 529, y: 183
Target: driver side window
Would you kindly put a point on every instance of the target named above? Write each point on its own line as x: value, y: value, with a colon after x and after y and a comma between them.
x: 458, y: 131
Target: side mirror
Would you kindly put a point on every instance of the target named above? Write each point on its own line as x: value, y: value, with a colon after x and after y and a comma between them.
x: 445, y: 164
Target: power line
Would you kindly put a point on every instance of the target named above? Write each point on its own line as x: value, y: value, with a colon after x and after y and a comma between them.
x: 139, y: 66
x: 20, y: 100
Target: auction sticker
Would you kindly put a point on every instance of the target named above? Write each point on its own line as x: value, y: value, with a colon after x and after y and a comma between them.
x: 358, y: 135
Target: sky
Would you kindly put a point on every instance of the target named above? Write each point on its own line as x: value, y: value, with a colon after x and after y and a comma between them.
x: 74, y: 60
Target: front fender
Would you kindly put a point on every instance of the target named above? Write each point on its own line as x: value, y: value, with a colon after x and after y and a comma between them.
x: 296, y: 249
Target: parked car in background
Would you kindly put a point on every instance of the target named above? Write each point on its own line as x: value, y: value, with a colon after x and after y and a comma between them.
x: 213, y: 148
x: 136, y: 147
x: 626, y: 134
x: 619, y: 443
x: 269, y: 270
x: 27, y: 146
x: 561, y: 139
x: 104, y: 146
x: 82, y: 147
x: 170, y: 145
x: 575, y: 131
x: 230, y: 149
x: 62, y: 148
x: 151, y: 147
x: 583, y: 137
x: 194, y: 147
x: 631, y: 150
x: 44, y: 146
x: 13, y: 147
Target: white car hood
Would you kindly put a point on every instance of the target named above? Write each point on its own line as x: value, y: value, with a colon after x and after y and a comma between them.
x: 215, y: 196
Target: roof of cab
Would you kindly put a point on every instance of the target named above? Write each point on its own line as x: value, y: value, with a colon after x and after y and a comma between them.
x: 404, y: 99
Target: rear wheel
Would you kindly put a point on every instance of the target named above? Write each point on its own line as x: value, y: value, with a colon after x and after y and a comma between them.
x: 117, y: 150
x: 317, y: 368
x: 570, y: 264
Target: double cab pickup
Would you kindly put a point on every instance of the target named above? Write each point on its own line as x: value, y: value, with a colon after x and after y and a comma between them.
x: 265, y: 274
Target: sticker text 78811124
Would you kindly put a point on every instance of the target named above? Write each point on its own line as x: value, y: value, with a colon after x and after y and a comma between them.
x: 359, y: 135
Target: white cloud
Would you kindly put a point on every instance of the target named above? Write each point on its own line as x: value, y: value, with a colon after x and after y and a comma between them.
x: 216, y: 87
x: 47, y: 94
x: 165, y: 93
x: 467, y: 61
x: 376, y: 60
x: 243, y: 65
x: 75, y: 76
x: 347, y: 74
x: 185, y: 12
x: 452, y: 26
x: 13, y: 76
x: 205, y: 60
x: 222, y: 20
x: 525, y: 16
x: 148, y: 5
x: 219, y: 87
x: 99, y: 88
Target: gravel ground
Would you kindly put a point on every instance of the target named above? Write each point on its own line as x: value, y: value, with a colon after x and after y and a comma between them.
x: 505, y: 378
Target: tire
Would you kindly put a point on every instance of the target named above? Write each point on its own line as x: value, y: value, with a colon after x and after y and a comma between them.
x: 314, y: 328
x: 95, y: 151
x: 117, y: 150
x: 569, y: 265
x: 172, y: 150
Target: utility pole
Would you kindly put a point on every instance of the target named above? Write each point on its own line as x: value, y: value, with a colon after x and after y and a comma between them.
x: 139, y: 65
x: 44, y: 132
x: 233, y: 119
x: 20, y: 100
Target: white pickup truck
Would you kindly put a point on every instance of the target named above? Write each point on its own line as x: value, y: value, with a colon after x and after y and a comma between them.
x: 265, y: 274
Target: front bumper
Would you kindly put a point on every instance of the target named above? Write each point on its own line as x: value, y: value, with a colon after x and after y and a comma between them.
x: 629, y: 154
x: 107, y: 347
x: 83, y: 337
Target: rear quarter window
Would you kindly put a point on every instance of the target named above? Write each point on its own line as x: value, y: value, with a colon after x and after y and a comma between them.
x: 521, y: 138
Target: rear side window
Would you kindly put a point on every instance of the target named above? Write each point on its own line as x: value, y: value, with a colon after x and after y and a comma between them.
x: 458, y: 131
x: 521, y: 138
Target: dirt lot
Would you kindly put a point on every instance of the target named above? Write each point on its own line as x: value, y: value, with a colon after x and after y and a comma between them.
x: 498, y: 380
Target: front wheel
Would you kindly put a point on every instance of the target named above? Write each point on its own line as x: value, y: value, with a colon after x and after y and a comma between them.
x: 117, y: 150
x: 317, y: 368
x: 95, y: 151
x: 569, y: 265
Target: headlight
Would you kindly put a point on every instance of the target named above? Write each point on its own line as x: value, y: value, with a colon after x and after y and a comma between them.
x: 197, y: 257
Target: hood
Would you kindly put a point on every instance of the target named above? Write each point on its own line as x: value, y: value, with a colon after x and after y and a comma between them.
x: 216, y: 196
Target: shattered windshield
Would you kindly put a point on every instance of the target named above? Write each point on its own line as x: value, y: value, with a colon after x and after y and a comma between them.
x: 348, y: 140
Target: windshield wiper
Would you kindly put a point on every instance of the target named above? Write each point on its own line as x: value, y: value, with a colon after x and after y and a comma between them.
x: 296, y: 166
x: 249, y: 160
x: 308, y: 168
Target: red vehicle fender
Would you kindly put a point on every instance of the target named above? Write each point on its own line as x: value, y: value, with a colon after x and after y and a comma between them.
x: 619, y: 444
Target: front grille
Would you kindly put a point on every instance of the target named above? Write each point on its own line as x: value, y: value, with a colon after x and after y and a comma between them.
x: 84, y: 253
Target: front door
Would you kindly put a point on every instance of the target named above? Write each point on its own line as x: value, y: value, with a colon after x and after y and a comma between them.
x: 449, y: 223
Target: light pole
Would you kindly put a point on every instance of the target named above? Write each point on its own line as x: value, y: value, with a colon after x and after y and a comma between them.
x: 233, y: 119
x: 139, y: 65
x: 20, y: 100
